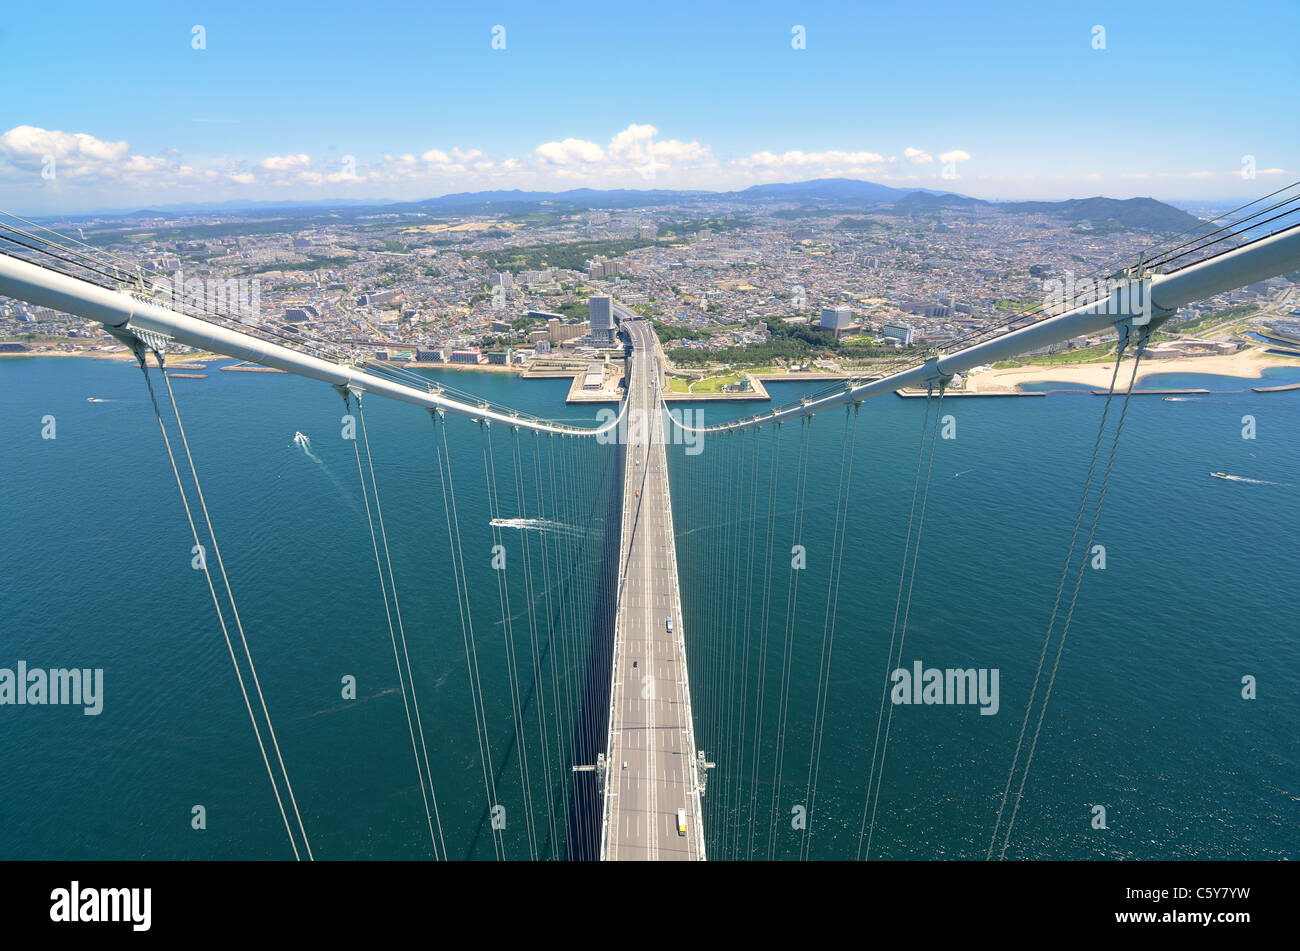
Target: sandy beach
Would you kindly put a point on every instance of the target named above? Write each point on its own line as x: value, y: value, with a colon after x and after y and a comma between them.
x: 94, y: 354
x: 1246, y: 363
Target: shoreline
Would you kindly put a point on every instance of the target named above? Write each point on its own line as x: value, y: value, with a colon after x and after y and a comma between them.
x: 95, y: 354
x: 182, y: 360
x: 1245, y: 364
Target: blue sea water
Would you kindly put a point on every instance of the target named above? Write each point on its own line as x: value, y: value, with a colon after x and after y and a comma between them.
x: 1146, y: 717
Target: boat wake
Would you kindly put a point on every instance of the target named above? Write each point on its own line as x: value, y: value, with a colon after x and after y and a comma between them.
x: 1237, y: 478
x: 301, y: 441
x: 536, y: 524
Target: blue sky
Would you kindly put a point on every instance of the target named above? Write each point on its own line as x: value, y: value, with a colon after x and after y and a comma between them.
x: 406, y: 100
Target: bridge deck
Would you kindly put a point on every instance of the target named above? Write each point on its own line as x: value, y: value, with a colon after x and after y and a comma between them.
x: 650, y: 715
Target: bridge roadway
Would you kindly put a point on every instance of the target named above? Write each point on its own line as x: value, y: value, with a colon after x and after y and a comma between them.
x: 651, y: 769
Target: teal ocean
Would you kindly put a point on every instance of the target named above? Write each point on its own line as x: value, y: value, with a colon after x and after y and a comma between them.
x: 1146, y: 719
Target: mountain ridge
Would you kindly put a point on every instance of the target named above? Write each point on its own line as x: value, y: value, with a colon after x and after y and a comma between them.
x: 849, y: 193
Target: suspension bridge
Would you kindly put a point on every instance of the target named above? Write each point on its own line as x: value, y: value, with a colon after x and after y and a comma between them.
x: 602, y: 730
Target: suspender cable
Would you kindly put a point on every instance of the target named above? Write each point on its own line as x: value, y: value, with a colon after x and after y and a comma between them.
x: 234, y: 608
x: 828, y: 623
x: 581, y: 727
x: 567, y: 569
x: 553, y: 607
x: 225, y: 631
x: 728, y: 595
x: 801, y: 486
x: 561, y: 674
x: 721, y: 629
x: 443, y: 456
x: 539, y: 695
x: 879, y: 774
x: 413, y: 726
x: 747, y: 606
x: 760, y: 703
x: 507, y: 631
x: 893, y: 631
x: 1078, y: 581
x: 1060, y: 589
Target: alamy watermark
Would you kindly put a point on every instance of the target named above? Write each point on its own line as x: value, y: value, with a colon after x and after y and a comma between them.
x: 232, y: 296
x: 633, y: 428
x: 79, y: 903
x: 58, y: 686
x: 1119, y: 297
x: 953, y: 685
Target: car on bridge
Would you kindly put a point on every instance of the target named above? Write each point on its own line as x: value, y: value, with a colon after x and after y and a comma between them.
x: 670, y: 625
x: 681, y: 821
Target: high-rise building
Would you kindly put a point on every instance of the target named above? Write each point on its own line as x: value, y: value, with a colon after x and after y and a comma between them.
x: 601, y: 309
x: 899, y: 332
x: 836, y: 318
x: 600, y: 267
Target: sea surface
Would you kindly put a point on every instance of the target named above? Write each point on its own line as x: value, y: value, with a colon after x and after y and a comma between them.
x: 1146, y: 720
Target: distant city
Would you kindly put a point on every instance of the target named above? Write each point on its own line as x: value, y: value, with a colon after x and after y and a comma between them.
x: 819, y: 281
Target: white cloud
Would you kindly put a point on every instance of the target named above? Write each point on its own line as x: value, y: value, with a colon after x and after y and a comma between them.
x: 672, y: 151
x: 93, y: 172
x: 27, y: 150
x: 633, y: 157
x: 632, y: 139
x: 285, y: 163
x: 569, y: 151
x: 33, y: 142
x: 798, y: 159
x: 79, y: 163
x: 145, y: 163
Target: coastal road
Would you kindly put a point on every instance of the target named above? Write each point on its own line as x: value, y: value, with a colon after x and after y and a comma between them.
x: 651, y: 730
